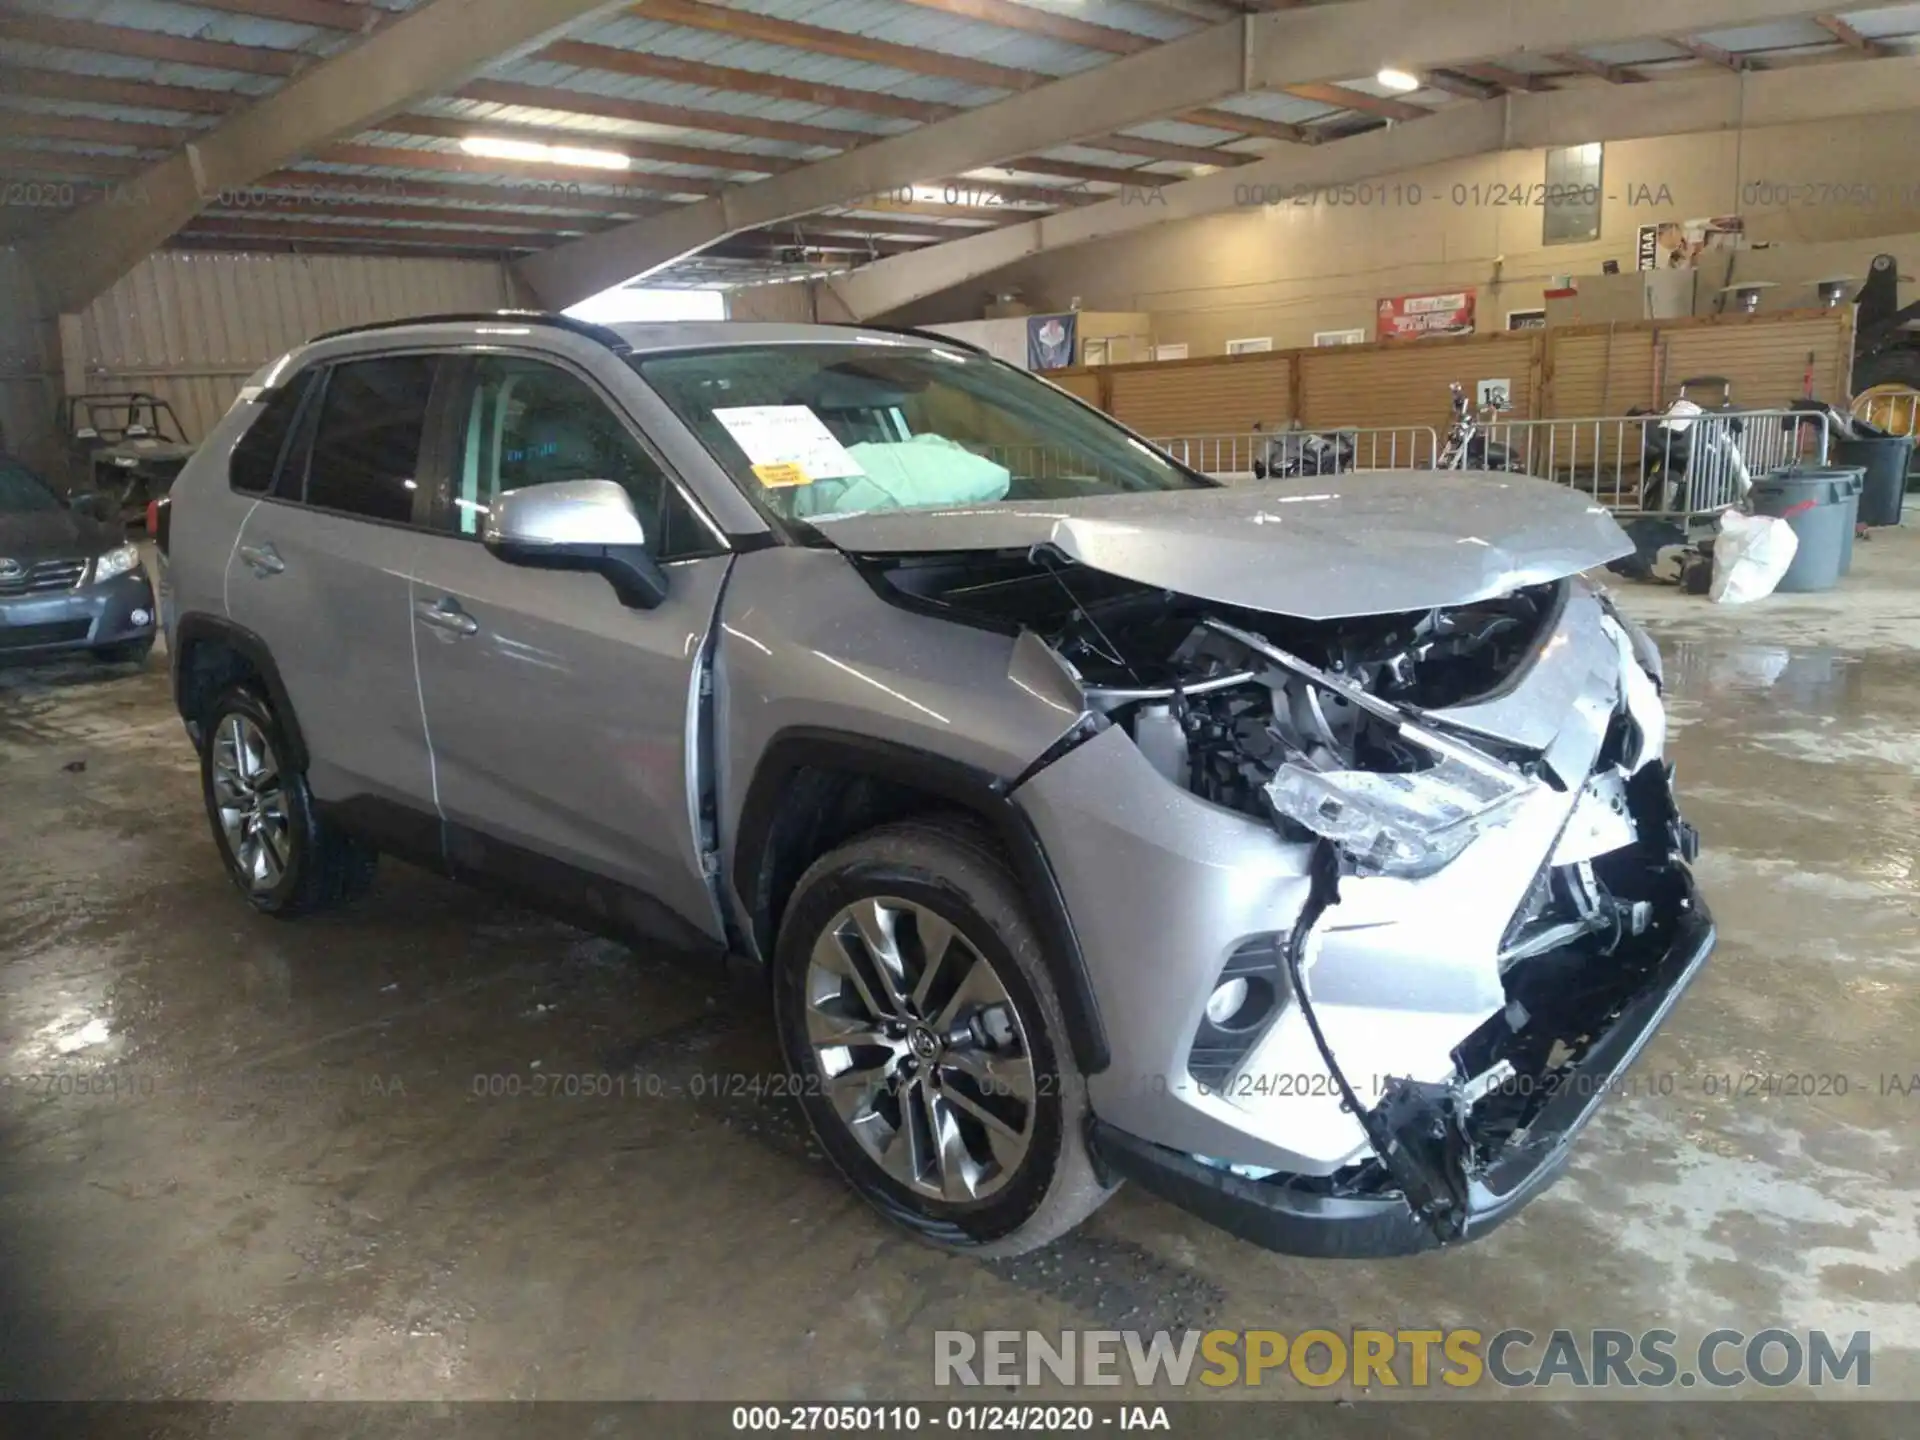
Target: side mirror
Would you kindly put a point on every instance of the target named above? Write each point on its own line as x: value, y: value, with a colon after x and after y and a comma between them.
x: 91, y: 504
x: 577, y: 525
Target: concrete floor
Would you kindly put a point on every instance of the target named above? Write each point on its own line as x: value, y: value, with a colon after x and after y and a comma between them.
x: 296, y: 1191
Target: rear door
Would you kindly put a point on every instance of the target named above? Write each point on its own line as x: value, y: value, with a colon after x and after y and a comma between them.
x: 564, y: 723
x: 320, y: 572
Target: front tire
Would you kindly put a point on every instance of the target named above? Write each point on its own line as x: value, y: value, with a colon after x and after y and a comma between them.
x: 930, y: 1056
x: 283, y: 857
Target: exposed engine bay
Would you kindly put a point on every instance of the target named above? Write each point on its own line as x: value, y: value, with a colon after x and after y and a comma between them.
x: 1316, y: 726
x: 1335, y: 732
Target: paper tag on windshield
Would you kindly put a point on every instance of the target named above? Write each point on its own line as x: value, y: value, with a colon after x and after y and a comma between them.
x: 788, y: 435
x: 776, y: 477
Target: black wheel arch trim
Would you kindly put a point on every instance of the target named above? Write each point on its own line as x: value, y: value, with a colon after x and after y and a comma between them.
x: 967, y: 787
x: 197, y: 629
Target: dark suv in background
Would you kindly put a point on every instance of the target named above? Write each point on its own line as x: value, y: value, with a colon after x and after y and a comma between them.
x: 70, y: 582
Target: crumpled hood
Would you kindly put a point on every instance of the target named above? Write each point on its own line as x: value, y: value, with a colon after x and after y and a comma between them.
x: 1365, y: 543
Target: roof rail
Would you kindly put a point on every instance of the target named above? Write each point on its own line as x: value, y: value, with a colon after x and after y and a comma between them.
x: 599, y: 333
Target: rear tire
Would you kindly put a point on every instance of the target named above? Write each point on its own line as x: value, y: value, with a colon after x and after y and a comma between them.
x: 280, y: 855
x: 934, y: 1065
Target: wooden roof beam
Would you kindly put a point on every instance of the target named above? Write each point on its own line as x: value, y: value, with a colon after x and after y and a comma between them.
x: 1852, y: 38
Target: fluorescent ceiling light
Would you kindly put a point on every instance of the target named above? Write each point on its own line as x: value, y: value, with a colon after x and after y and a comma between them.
x: 1398, y: 80
x: 494, y: 147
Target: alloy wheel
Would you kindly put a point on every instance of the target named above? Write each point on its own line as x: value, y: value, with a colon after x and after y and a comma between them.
x: 251, y: 802
x: 920, y: 1049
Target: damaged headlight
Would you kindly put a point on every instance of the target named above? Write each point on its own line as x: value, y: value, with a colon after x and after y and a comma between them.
x: 1408, y: 825
x: 1401, y: 822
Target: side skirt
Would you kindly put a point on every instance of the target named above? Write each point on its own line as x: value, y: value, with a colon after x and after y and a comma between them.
x: 526, y: 877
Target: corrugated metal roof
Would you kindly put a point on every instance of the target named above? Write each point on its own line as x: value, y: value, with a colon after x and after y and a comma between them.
x: 695, y: 97
x: 40, y: 144
x: 1530, y: 62
x: 1149, y: 20
x: 192, y: 22
x: 1272, y: 105
x: 1782, y: 37
x: 603, y: 129
x: 1889, y: 20
x: 934, y: 30
x: 628, y: 33
x: 529, y: 196
x: 895, y: 22
x: 1778, y: 35
x: 126, y: 67
x: 1090, y: 153
x: 640, y: 169
x: 1179, y: 132
x: 125, y: 114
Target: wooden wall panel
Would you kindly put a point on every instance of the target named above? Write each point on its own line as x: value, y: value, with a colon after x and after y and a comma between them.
x: 1407, y: 383
x: 1217, y: 397
x: 1570, y: 372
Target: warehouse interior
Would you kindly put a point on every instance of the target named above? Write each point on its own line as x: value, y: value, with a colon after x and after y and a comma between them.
x: 1277, y: 241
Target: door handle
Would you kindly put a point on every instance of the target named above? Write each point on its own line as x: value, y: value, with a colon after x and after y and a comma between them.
x: 446, y: 614
x: 263, y: 560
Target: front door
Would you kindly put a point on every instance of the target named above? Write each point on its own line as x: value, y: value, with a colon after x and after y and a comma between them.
x: 563, y: 723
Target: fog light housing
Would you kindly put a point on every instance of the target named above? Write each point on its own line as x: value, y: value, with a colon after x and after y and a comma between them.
x: 1240, y: 1007
x: 141, y: 617
x: 1227, y: 1001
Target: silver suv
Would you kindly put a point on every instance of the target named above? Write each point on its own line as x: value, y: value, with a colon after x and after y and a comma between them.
x: 1302, y: 852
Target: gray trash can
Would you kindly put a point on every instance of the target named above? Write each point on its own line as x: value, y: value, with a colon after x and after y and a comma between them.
x: 1819, y: 505
x: 1854, y: 478
x: 1885, y: 460
x: 1856, y: 482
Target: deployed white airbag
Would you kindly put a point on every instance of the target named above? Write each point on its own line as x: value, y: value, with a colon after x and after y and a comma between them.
x: 908, y: 474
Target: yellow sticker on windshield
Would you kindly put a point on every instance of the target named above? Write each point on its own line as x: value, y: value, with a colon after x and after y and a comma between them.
x: 776, y: 477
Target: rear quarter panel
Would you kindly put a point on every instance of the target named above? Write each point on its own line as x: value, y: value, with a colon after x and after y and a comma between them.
x: 206, y: 518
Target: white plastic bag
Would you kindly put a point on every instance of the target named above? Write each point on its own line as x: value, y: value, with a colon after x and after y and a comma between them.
x: 1750, y: 555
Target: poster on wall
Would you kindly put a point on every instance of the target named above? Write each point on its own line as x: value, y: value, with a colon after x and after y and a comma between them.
x: 1420, y: 317
x: 1050, y: 341
x: 1647, y: 252
x: 1680, y: 244
x: 1526, y: 319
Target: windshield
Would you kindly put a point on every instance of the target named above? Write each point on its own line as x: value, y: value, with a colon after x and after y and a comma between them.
x: 811, y: 432
x: 21, y: 491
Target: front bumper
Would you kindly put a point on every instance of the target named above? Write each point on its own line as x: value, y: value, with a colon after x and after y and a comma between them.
x: 1281, y: 1213
x: 92, y: 617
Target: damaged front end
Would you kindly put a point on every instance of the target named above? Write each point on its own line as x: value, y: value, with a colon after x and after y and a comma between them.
x: 1404, y: 896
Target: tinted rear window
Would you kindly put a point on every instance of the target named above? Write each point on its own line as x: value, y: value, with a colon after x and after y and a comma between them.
x: 368, y: 441
x: 257, y: 458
